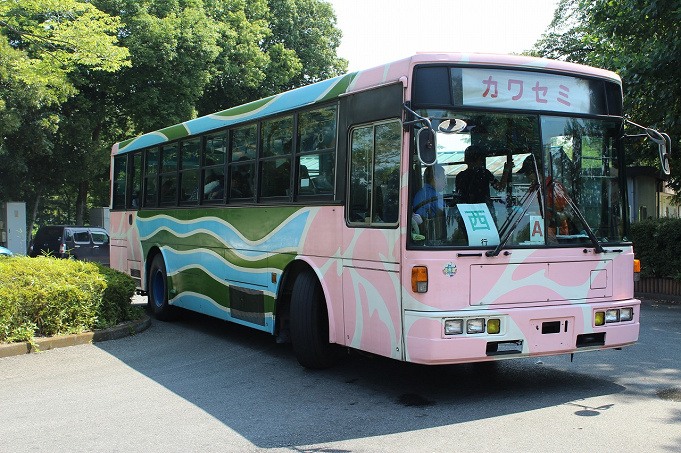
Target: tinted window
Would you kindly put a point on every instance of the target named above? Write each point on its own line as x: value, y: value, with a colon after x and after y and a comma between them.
x: 119, y: 182
x: 216, y: 149
x: 151, y: 177
x: 316, y: 147
x: 374, y: 173
x: 81, y: 237
x: 277, y: 136
x: 136, y: 171
x: 242, y: 162
x: 276, y: 180
x: 99, y: 237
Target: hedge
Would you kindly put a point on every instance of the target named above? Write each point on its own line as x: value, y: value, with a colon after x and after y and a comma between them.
x: 657, y: 243
x: 46, y: 296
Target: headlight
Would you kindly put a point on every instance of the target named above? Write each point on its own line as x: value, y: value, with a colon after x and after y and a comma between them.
x: 475, y: 325
x: 626, y: 314
x: 612, y: 315
x: 453, y: 326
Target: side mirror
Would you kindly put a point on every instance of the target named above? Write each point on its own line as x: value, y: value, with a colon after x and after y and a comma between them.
x: 664, y: 144
x: 426, y: 146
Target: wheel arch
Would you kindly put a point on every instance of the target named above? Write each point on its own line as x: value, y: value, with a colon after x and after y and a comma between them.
x: 153, y: 251
x: 288, y: 278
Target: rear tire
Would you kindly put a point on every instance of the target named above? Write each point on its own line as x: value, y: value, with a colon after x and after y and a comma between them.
x: 310, y: 323
x: 157, y: 290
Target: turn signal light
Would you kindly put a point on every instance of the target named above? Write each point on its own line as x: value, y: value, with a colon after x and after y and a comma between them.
x: 599, y: 318
x: 419, y: 279
x: 493, y: 326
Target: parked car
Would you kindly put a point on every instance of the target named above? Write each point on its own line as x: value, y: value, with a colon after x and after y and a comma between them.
x: 75, y: 242
x: 4, y: 251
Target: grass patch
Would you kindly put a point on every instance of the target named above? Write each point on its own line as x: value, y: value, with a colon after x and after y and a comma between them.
x: 46, y: 296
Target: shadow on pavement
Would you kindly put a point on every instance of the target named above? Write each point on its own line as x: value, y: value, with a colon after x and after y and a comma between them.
x: 256, y: 387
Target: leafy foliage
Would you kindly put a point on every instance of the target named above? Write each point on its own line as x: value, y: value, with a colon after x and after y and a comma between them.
x: 97, y: 72
x: 641, y: 41
x: 657, y: 243
x: 44, y: 40
x: 46, y: 296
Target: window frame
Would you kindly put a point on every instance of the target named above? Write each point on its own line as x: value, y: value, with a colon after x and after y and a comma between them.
x: 155, y: 170
x: 372, y: 223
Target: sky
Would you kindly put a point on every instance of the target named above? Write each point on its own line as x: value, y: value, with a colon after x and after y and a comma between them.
x: 380, y: 31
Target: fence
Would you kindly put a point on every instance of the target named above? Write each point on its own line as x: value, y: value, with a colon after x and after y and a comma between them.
x: 658, y: 287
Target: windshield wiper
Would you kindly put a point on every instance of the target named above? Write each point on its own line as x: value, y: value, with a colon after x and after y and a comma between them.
x: 598, y: 248
x: 512, y: 222
x: 527, y: 201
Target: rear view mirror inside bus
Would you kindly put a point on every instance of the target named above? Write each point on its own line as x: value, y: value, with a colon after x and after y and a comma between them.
x: 452, y: 126
x: 426, y: 146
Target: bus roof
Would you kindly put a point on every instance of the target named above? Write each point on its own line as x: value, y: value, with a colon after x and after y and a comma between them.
x: 355, y: 81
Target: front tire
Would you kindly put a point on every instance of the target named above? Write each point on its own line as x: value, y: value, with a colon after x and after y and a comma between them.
x: 157, y: 290
x: 310, y: 323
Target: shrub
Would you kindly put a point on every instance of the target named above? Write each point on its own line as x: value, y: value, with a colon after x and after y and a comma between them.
x: 46, y: 296
x: 116, y: 305
x: 657, y: 243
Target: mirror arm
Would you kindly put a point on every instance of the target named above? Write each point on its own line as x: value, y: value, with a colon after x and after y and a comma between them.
x: 420, y: 119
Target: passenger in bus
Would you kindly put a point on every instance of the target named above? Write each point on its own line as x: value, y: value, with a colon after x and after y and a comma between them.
x: 242, y: 182
x: 474, y: 182
x: 428, y: 200
x: 214, y: 188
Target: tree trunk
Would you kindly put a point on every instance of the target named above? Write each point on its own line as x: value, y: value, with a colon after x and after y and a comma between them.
x: 81, y: 202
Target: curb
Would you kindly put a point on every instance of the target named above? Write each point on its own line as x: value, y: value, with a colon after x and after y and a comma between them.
x: 45, y: 344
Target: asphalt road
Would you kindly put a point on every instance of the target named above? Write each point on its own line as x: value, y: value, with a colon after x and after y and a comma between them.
x: 205, y: 385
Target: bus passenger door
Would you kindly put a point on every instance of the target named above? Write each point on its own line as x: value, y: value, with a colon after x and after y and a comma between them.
x: 371, y: 238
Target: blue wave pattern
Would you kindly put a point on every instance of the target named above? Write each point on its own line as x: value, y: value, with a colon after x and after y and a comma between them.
x: 287, y: 237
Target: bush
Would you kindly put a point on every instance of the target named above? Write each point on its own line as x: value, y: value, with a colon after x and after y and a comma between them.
x: 657, y: 243
x: 46, y: 296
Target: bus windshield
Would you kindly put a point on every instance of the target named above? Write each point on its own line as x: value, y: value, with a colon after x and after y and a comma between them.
x: 518, y: 180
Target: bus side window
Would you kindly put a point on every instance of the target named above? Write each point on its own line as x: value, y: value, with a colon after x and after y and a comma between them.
x: 374, y: 173
x: 151, y: 177
x: 120, y: 181
x: 316, y: 148
x: 277, y: 139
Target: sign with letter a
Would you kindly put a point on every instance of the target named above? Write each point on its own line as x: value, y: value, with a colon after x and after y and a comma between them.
x: 536, y: 229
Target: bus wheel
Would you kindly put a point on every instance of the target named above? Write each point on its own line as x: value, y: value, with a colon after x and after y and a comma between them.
x: 157, y: 290
x: 310, y: 323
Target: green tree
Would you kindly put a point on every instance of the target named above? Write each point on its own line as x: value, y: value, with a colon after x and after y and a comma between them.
x: 276, y: 45
x: 308, y: 27
x: 641, y: 41
x: 185, y: 57
x: 42, y: 43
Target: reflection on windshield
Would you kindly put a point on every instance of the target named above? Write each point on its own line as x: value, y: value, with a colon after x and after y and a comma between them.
x: 500, y: 182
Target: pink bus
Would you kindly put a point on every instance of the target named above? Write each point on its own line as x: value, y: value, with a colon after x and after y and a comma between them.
x: 444, y: 208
